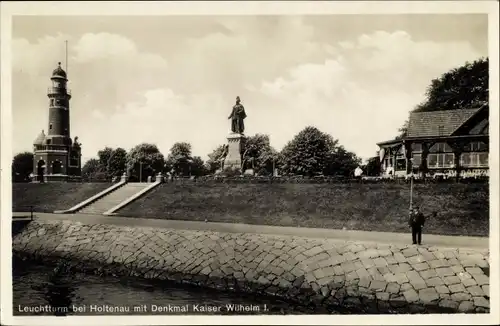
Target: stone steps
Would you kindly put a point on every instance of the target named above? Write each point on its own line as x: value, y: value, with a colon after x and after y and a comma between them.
x: 114, y: 198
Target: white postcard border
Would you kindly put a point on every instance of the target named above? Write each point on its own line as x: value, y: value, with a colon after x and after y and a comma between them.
x: 9, y: 9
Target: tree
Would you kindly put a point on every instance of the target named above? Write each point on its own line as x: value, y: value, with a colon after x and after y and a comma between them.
x: 464, y: 87
x: 341, y: 162
x: 22, y: 167
x: 268, y: 160
x: 180, y: 158
x: 312, y: 152
x: 112, y: 161
x: 92, y: 170
x: 372, y: 166
x: 117, y: 163
x: 403, y: 130
x: 307, y: 153
x: 144, y: 160
x: 104, y: 155
x: 213, y: 163
x: 198, y: 167
x: 258, y: 154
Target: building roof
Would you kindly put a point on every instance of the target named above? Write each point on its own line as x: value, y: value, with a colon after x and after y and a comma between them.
x: 40, y: 139
x: 390, y: 142
x: 437, y: 123
x: 59, y: 72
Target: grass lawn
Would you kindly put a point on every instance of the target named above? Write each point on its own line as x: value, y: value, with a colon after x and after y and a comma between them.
x: 48, y: 197
x: 462, y: 209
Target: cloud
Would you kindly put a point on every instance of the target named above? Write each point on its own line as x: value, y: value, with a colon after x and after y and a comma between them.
x: 105, y: 71
x: 363, y: 94
x: 103, y: 45
x: 31, y: 58
x: 161, y: 117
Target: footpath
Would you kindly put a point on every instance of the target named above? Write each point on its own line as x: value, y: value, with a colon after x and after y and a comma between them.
x: 481, y: 243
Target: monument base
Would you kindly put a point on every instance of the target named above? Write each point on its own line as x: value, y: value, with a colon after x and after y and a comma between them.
x: 236, y: 143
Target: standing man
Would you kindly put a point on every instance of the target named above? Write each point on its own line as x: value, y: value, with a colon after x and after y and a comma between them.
x: 416, y: 222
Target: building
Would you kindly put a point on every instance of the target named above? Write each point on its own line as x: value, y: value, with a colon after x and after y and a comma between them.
x: 56, y: 156
x: 452, y: 143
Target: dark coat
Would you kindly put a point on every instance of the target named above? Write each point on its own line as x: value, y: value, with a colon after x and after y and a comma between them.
x: 237, y: 117
x: 416, y: 219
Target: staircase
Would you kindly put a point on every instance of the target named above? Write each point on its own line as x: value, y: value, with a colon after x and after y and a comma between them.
x: 114, y: 198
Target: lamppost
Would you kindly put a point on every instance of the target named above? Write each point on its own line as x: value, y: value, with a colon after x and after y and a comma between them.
x: 411, y: 184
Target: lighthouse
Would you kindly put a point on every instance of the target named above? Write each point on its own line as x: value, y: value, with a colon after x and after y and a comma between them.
x: 56, y: 156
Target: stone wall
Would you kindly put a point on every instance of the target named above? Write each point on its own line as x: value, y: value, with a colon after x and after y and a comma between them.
x: 323, y: 274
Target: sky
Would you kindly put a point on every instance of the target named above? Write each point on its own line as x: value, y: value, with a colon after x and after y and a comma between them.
x: 165, y: 79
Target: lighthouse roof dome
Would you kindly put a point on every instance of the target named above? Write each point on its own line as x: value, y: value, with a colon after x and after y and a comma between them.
x: 59, y: 72
x: 40, y: 139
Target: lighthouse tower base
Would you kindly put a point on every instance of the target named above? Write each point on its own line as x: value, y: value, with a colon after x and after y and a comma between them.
x: 61, y: 165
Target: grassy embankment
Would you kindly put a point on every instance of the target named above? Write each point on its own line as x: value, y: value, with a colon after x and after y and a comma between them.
x: 462, y: 209
x: 48, y: 197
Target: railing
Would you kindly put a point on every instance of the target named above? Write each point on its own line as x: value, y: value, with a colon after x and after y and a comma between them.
x: 58, y: 90
x: 61, y: 148
x: 315, y: 180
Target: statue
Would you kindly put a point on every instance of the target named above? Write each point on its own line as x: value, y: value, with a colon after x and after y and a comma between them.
x: 223, y: 156
x: 237, y: 117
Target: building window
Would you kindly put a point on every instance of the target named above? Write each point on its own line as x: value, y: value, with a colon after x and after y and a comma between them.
x: 477, y: 146
x: 416, y: 156
x: 400, y: 164
x: 474, y: 160
x: 50, y: 126
x: 440, y: 156
x: 51, y: 102
x: 400, y: 160
x: 56, y: 167
x: 417, y: 160
x: 441, y: 148
x: 475, y: 155
x: 441, y: 130
x: 416, y: 147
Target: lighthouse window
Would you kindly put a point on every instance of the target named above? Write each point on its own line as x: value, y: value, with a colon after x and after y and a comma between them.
x: 50, y: 126
x: 58, y: 102
x: 51, y: 102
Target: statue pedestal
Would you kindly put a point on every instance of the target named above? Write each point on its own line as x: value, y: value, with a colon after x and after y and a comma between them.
x: 236, y: 143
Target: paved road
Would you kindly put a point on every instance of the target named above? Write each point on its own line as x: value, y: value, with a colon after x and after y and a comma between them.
x: 363, y: 236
